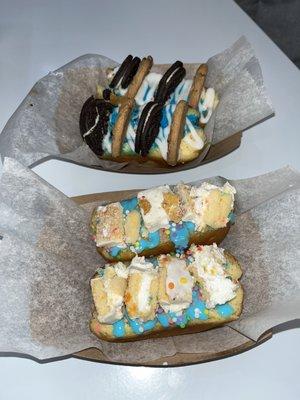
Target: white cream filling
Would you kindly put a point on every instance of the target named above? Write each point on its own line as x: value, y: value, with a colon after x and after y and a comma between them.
x: 94, y: 126
x: 198, y: 196
x: 156, y: 217
x: 210, y: 266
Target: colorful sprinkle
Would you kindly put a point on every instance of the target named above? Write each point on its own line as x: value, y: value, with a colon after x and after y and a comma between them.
x: 171, y: 285
x: 183, y: 280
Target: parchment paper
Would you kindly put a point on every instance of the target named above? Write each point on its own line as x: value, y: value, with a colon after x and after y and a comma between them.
x: 47, y: 260
x: 46, y: 124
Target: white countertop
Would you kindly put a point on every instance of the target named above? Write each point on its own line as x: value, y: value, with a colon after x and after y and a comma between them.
x: 39, y: 36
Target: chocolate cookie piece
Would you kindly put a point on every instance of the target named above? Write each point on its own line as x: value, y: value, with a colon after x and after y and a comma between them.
x: 130, y: 72
x: 143, y: 70
x: 169, y: 81
x: 121, y: 125
x: 197, y: 86
x: 148, y: 127
x: 120, y: 73
x: 93, y: 122
x: 176, y: 130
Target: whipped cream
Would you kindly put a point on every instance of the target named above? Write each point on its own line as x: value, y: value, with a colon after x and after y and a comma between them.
x: 209, y: 263
x: 198, y: 196
x: 147, y: 272
x: 179, y: 284
x: 114, y: 293
x: 148, y: 88
x: 140, y: 264
x: 156, y: 217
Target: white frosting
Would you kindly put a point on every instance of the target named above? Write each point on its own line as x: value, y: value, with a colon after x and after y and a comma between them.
x: 208, y: 97
x: 162, y: 138
x: 198, y: 195
x: 210, y: 266
x: 121, y: 270
x: 192, y: 138
x: 156, y: 217
x: 179, y: 285
x: 147, y: 272
x: 114, y: 300
x: 139, y: 264
x: 151, y: 80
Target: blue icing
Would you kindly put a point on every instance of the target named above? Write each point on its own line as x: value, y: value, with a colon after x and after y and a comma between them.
x: 179, y: 320
x: 130, y: 204
x: 170, y: 318
x: 146, y: 93
x: 225, y: 310
x: 114, y: 251
x: 152, y: 241
x: 180, y: 234
x: 232, y: 217
x: 163, y: 319
x: 194, y: 118
x: 164, y: 119
x: 113, y: 116
x: 139, y: 327
x: 197, y: 309
x: 119, y: 328
x: 134, y: 118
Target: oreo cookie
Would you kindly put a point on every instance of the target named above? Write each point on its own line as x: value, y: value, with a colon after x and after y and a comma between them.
x: 93, y: 122
x: 148, y: 127
x: 126, y: 72
x: 119, y: 74
x: 130, y: 72
x: 169, y: 81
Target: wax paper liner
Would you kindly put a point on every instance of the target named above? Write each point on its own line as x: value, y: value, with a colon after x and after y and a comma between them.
x: 46, y: 125
x: 47, y: 260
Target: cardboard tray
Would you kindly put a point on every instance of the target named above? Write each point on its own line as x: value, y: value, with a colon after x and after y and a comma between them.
x: 215, y: 152
x: 179, y: 359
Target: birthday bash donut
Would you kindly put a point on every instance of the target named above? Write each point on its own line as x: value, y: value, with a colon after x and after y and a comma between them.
x: 166, y: 295
x: 143, y: 115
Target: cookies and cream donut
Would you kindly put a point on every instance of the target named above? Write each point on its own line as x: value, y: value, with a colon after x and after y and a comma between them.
x: 151, y: 116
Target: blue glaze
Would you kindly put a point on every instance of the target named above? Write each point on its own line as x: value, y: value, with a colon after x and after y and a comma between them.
x: 164, y: 119
x: 178, y: 320
x: 167, y: 319
x: 113, y: 116
x: 225, y: 310
x: 194, y: 119
x: 197, y: 310
x: 119, y: 328
x: 232, y: 217
x: 180, y: 234
x: 163, y: 319
x: 139, y: 327
x: 134, y: 118
x: 130, y: 204
x: 114, y: 251
x: 150, y: 242
x: 197, y: 304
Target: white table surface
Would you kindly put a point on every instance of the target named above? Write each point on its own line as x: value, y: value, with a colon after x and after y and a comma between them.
x: 39, y: 36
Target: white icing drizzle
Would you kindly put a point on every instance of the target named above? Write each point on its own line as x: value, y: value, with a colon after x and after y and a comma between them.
x: 208, y: 97
x: 148, y: 86
x: 192, y: 138
x: 162, y: 138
